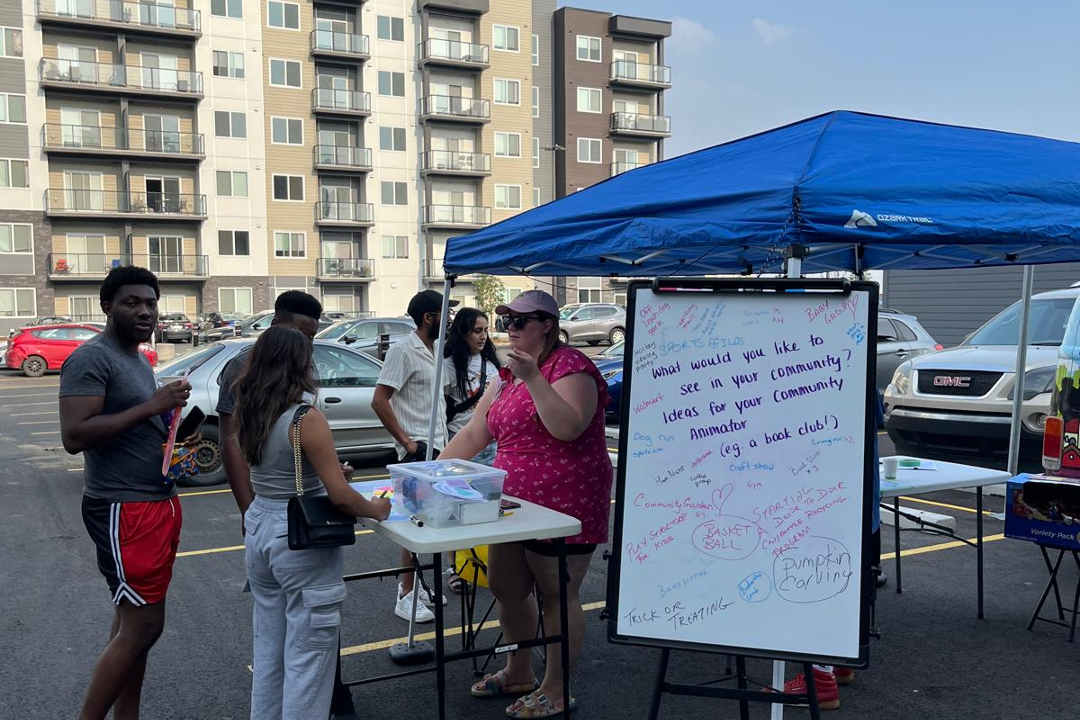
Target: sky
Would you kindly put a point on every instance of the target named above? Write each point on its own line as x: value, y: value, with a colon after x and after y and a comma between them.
x: 742, y: 67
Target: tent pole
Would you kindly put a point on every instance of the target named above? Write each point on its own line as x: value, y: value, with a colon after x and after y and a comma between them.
x: 1021, y: 366
x: 439, y: 345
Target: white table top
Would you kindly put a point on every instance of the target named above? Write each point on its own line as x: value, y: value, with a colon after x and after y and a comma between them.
x: 528, y: 522
x: 946, y: 476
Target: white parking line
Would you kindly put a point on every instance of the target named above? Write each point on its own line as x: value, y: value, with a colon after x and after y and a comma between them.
x: 51, y: 402
x: 34, y: 414
x: 40, y: 422
x: 15, y: 397
x: 49, y: 432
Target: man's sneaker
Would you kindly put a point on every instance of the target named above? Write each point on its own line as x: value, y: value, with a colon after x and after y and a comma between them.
x: 828, y: 694
x: 425, y: 595
x: 843, y: 675
x: 403, y: 609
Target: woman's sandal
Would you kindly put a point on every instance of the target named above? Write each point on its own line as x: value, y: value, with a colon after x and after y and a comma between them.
x: 456, y: 583
x: 495, y: 685
x: 536, y: 705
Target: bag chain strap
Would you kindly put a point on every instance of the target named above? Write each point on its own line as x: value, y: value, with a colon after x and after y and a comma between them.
x: 297, y: 463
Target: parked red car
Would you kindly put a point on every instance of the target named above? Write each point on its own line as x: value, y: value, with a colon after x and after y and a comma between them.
x: 35, y: 350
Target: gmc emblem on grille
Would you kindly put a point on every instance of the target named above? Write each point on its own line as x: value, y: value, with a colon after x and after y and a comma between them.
x: 954, y: 381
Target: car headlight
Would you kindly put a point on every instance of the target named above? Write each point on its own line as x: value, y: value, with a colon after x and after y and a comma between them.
x: 610, y: 374
x: 901, y: 379
x: 1037, y: 382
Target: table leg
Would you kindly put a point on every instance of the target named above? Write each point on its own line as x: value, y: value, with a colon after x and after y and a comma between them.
x: 1057, y: 592
x: 1052, y: 583
x: 1076, y: 600
x: 564, y: 624
x: 979, y: 544
x: 440, y: 650
x: 896, y: 538
x: 744, y: 704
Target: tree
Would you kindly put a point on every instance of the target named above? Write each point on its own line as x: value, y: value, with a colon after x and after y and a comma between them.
x: 489, y: 292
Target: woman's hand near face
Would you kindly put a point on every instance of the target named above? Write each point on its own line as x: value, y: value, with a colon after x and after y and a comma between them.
x: 523, y: 365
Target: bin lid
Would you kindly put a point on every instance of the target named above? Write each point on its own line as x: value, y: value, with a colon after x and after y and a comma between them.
x: 436, y: 470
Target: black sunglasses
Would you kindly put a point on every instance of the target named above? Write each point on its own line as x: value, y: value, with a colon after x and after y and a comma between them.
x: 518, y: 322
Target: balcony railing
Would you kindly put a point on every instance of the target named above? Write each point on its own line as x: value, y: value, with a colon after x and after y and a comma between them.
x: 452, y: 161
x: 336, y: 211
x: 345, y: 268
x: 617, y: 168
x: 641, y: 124
x: 126, y: 140
x: 343, y: 157
x: 114, y: 75
x: 452, y: 106
x: 147, y: 15
x: 333, y: 100
x: 453, y: 51
x: 635, y: 72
x: 112, y: 202
x: 82, y: 265
x: 456, y: 215
x: 339, y: 43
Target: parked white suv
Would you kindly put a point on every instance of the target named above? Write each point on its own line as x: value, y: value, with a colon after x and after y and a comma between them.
x: 958, y: 402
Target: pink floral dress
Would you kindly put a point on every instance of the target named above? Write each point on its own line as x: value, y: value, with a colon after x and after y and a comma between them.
x: 571, y: 477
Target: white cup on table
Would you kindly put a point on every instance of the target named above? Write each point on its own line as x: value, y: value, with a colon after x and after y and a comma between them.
x: 892, y: 465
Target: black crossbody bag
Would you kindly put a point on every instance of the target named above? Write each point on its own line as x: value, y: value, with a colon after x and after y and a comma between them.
x: 314, y: 522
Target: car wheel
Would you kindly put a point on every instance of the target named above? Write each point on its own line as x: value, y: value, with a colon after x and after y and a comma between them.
x: 208, y: 458
x: 593, y: 342
x: 564, y: 338
x: 34, y: 366
x: 617, y: 336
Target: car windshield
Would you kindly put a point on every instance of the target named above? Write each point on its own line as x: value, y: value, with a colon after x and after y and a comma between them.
x: 175, y: 317
x: 615, y: 351
x: 252, y: 320
x: 567, y: 311
x: 189, y: 362
x: 1046, y: 326
x: 335, y: 331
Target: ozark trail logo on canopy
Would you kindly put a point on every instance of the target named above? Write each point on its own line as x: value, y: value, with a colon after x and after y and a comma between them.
x: 860, y: 219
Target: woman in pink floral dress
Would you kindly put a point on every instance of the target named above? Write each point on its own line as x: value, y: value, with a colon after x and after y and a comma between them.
x: 547, y: 416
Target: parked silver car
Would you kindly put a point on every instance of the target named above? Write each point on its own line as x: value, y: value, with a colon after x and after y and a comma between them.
x: 346, y: 381
x: 592, y: 323
x: 363, y: 334
x: 900, y: 338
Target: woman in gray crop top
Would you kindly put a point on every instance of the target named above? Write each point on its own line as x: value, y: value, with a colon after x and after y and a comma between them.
x: 297, y: 593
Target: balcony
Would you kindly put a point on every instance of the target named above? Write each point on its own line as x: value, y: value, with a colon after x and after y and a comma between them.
x: 345, y: 269
x: 635, y: 74
x: 114, y: 78
x: 451, y: 162
x: 618, y: 168
x: 120, y: 204
x: 455, y: 109
x: 119, y: 16
x: 341, y: 102
x: 453, y: 53
x: 91, y: 140
x: 456, y: 216
x: 80, y: 267
x: 433, y: 272
x: 342, y: 158
x: 640, y: 125
x: 340, y: 45
x: 335, y: 213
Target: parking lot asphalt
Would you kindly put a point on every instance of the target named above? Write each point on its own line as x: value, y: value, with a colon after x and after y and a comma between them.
x: 935, y: 659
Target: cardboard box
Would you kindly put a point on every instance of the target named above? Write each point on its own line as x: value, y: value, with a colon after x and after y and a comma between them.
x: 1044, y: 510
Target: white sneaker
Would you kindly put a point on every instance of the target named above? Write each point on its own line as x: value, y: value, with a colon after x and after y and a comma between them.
x: 425, y: 595
x: 403, y: 609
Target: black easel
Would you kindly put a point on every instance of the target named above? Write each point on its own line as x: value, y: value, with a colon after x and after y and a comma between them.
x: 1052, y: 584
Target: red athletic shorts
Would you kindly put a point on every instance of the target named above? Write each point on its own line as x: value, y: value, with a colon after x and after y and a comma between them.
x: 136, y: 545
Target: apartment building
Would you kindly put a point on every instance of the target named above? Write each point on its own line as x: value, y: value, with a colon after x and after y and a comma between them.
x: 239, y: 148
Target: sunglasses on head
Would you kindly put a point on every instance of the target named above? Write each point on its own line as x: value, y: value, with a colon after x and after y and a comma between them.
x: 518, y: 322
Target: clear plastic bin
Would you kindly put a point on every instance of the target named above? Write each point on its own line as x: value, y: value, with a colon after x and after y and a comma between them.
x: 448, y: 492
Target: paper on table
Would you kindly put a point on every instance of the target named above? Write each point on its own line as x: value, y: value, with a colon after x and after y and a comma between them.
x: 375, y: 488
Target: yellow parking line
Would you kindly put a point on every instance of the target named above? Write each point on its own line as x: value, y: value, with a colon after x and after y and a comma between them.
x: 944, y: 505
x: 940, y: 546
x: 234, y: 548
x: 195, y: 493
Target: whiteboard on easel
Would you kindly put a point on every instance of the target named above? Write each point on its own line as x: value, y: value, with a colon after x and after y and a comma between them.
x: 745, y: 461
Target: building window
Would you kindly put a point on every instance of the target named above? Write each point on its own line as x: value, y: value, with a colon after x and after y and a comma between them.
x: 228, y: 64
x: 588, y: 100
x: 536, y: 101
x: 13, y: 108
x: 290, y: 244
x: 230, y: 124
x: 85, y: 307
x: 394, y: 193
x: 232, y: 183
x: 16, y: 238
x: 391, y: 84
x: 506, y: 38
x: 507, y: 145
x: 234, y: 300
x: 226, y: 8
x: 233, y: 242
x: 11, y: 43
x: 588, y: 289
x: 286, y: 131
x: 588, y: 48
x: 14, y: 173
x: 17, y: 302
x: 391, y: 28
x: 536, y: 152
x: 283, y: 15
x: 535, y: 50
x: 289, y: 187
x: 508, y: 197
x: 395, y: 247
x: 536, y: 197
x: 589, y: 150
x: 285, y: 73
x: 507, y: 92
x: 392, y: 138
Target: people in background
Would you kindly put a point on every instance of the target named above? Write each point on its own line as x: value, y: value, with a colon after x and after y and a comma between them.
x: 112, y: 411
x: 546, y: 415
x: 297, y: 593
x: 403, y: 399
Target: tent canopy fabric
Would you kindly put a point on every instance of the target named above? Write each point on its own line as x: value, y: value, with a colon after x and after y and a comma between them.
x: 859, y: 191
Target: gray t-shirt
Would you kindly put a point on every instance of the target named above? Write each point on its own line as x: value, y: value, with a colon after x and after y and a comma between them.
x: 129, y: 468
x: 226, y: 404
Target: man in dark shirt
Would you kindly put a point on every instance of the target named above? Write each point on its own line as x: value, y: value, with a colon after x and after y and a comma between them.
x: 112, y: 412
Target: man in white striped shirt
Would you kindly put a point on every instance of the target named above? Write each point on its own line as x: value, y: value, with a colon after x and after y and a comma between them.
x: 402, y: 402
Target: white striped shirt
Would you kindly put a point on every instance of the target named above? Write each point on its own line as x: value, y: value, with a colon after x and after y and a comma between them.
x: 409, y: 369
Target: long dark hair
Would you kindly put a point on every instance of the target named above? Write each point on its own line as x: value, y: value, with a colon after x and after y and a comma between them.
x: 457, y: 347
x: 278, y: 374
